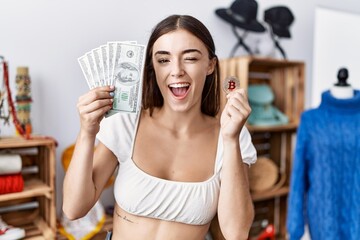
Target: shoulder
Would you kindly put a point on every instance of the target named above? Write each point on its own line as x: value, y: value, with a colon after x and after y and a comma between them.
x: 309, y: 118
x: 118, y: 122
x: 117, y: 133
x: 310, y: 114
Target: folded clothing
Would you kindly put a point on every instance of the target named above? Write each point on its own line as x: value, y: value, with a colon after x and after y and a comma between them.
x: 11, y: 183
x: 10, y: 163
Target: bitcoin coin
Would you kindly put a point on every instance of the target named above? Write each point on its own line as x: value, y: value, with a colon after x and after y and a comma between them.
x: 230, y: 84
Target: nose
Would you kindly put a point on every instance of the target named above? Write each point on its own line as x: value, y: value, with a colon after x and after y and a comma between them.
x: 177, y: 69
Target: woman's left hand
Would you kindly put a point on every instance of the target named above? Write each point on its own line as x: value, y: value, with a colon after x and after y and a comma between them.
x: 235, y: 114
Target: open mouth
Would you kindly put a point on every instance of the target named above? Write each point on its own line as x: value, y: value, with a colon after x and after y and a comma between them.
x: 179, y: 89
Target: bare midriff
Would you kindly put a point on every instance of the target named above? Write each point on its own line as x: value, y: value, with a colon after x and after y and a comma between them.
x: 131, y: 227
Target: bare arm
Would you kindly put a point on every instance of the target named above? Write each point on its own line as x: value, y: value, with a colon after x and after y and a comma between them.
x: 88, y: 172
x: 235, y: 210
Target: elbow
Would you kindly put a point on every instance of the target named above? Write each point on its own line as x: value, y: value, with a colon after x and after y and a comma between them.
x: 239, y: 233
x: 237, y: 236
x: 239, y: 230
x: 71, y: 213
x: 75, y: 206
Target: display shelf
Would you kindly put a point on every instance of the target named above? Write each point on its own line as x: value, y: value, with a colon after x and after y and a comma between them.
x: 279, y: 128
x: 286, y: 79
x: 32, y: 222
x: 19, y: 142
x: 272, y: 211
x: 37, y: 153
x: 32, y: 188
x: 38, y: 229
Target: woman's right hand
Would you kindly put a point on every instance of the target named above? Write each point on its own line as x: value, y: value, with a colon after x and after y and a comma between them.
x: 92, y: 107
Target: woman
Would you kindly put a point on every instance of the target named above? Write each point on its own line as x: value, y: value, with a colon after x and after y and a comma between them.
x: 178, y: 163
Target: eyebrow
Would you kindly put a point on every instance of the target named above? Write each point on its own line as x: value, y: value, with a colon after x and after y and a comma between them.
x: 184, y: 52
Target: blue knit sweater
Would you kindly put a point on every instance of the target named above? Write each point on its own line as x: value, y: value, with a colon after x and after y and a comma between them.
x: 325, y: 179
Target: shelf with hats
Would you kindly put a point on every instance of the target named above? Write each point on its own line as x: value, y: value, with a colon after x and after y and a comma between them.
x: 276, y: 95
x: 285, y: 79
x: 31, y: 205
x: 284, y: 127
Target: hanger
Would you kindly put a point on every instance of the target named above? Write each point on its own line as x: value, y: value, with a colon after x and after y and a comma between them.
x: 277, y: 43
x: 240, y: 42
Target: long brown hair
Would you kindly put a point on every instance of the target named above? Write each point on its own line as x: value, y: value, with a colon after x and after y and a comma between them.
x: 151, y: 96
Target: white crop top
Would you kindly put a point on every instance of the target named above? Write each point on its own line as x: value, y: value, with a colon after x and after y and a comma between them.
x: 141, y: 194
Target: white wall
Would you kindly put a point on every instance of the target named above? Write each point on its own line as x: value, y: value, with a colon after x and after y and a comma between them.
x: 342, y: 50
x: 48, y: 36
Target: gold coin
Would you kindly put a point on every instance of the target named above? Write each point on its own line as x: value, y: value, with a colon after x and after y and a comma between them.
x: 230, y: 84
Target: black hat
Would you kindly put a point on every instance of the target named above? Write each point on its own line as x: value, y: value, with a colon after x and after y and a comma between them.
x: 279, y: 18
x: 242, y: 13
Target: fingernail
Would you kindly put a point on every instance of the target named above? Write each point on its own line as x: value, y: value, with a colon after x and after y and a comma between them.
x: 112, y: 94
x: 112, y: 87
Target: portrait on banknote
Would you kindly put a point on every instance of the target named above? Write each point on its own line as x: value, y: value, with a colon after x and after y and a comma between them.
x: 128, y: 74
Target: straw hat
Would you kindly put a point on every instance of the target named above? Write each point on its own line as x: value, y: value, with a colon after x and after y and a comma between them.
x: 263, y: 175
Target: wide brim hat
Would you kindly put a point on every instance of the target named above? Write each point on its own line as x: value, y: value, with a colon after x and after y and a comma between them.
x: 280, y: 19
x: 242, y: 13
x: 263, y: 175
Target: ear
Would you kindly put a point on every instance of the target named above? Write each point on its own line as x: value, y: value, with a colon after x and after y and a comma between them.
x: 211, y: 67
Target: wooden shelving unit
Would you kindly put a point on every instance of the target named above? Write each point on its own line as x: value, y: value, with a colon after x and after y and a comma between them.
x: 39, y: 222
x: 286, y: 79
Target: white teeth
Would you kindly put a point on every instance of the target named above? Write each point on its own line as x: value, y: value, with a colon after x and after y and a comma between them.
x: 179, y: 85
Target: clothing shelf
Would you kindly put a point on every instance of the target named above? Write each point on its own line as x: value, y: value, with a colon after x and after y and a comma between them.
x: 276, y: 142
x: 37, y: 153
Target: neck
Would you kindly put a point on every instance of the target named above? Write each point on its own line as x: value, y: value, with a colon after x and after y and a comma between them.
x: 342, y: 92
x: 180, y: 122
x: 342, y: 106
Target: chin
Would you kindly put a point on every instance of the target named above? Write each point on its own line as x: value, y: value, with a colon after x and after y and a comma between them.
x: 179, y: 109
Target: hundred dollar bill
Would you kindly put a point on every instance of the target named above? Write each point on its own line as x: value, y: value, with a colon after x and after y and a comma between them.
x: 127, y: 77
x: 111, y: 46
x: 105, y: 63
x: 85, y: 67
x: 98, y: 61
x: 94, y: 72
x: 113, y: 57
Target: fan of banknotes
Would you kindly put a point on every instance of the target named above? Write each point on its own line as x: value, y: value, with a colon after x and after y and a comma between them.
x: 118, y: 64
